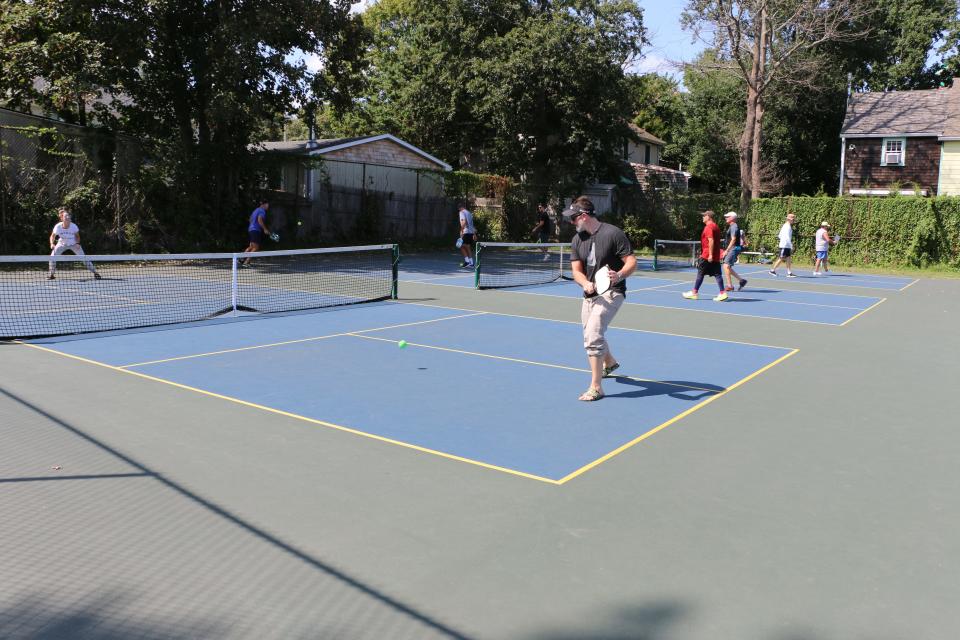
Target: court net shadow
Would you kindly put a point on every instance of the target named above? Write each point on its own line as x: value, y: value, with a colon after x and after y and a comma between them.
x: 136, y: 554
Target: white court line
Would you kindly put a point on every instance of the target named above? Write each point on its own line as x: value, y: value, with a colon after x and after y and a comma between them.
x: 456, y: 275
x: 856, y: 277
x: 660, y: 306
x: 536, y: 363
x: 808, y: 304
x: 612, y: 326
x: 299, y: 340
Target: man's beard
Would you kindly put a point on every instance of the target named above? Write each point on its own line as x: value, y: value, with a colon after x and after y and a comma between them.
x: 581, y: 227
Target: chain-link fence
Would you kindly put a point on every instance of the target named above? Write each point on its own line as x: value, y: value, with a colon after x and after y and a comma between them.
x: 45, y: 164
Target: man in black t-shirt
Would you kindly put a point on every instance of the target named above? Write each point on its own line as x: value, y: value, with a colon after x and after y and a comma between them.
x: 598, y: 244
x: 543, y: 229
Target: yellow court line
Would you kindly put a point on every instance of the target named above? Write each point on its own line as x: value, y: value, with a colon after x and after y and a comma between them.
x: 300, y: 340
x: 533, y: 362
x: 879, y: 302
x: 666, y: 424
x: 287, y: 414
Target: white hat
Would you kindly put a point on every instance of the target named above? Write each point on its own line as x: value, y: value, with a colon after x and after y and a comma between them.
x: 730, y: 214
x: 825, y: 224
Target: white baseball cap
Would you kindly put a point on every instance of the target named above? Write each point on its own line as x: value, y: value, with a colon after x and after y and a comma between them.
x: 825, y: 224
x: 730, y: 214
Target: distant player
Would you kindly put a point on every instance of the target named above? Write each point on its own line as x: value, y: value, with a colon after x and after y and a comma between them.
x: 733, y: 249
x: 468, y: 236
x: 257, y: 230
x: 544, y: 228
x: 709, y: 262
x: 785, y: 238
x: 822, y: 242
x: 66, y: 237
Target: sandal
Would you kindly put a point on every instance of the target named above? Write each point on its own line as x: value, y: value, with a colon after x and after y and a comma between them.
x: 608, y: 370
x: 591, y: 395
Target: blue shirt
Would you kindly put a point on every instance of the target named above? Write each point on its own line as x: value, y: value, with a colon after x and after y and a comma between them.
x: 255, y: 219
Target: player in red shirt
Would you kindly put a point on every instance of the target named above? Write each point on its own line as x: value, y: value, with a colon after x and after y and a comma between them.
x: 709, y: 262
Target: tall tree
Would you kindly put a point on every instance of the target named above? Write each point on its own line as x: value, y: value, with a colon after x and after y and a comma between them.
x: 58, y: 56
x: 527, y: 88
x: 771, y: 41
x: 194, y: 79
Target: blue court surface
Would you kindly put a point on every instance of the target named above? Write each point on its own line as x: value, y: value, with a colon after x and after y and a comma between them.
x: 490, y: 389
x: 761, y: 301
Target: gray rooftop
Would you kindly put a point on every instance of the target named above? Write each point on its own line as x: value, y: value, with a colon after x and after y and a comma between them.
x: 300, y: 146
x: 918, y: 112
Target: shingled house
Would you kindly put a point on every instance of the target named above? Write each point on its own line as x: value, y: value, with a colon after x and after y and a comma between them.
x: 908, y: 140
x: 642, y: 150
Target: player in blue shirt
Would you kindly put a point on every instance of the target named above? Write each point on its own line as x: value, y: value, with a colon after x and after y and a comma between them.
x: 257, y: 229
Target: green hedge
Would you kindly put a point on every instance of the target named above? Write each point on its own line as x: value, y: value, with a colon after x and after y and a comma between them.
x: 895, y: 231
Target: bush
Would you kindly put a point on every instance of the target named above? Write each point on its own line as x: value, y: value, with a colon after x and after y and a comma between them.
x: 896, y: 231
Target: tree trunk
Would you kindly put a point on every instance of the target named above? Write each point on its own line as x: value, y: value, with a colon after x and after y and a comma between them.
x: 749, y: 129
x: 755, y: 165
x: 746, y: 149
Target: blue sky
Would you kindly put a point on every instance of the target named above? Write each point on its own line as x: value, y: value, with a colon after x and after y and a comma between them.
x: 669, y: 44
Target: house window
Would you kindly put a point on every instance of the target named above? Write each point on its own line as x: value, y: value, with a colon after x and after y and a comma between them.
x: 646, y: 154
x: 893, y: 152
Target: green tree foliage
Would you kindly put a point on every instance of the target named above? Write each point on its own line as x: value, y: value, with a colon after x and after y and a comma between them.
x: 194, y: 80
x: 520, y: 87
x: 657, y: 104
x: 713, y: 112
x: 897, y: 53
x: 59, y: 56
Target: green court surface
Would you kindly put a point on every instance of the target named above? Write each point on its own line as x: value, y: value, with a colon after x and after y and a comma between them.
x: 812, y: 497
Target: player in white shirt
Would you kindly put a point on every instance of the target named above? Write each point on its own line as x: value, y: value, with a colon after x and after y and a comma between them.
x: 66, y: 237
x: 468, y: 236
x: 786, y: 247
x: 822, y: 242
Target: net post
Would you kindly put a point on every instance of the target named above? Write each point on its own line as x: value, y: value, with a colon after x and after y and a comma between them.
x: 655, y: 244
x: 395, y: 272
x: 233, y: 282
x: 476, y: 266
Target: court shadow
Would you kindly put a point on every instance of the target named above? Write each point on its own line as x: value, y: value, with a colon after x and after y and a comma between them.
x: 738, y: 299
x: 653, y: 621
x: 677, y: 389
x: 335, y: 590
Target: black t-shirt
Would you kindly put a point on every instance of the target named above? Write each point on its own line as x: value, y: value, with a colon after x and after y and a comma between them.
x: 607, y: 247
x: 544, y: 219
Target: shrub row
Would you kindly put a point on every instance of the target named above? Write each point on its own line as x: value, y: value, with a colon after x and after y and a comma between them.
x: 897, y: 231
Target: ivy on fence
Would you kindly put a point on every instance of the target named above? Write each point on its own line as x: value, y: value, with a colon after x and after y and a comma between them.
x: 895, y: 231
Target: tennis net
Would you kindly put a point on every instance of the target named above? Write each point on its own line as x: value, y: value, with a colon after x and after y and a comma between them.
x: 102, y: 293
x: 675, y: 254
x: 504, y: 264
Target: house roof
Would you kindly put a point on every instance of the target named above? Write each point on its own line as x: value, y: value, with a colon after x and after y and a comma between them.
x: 929, y: 112
x: 320, y: 147
x: 645, y: 136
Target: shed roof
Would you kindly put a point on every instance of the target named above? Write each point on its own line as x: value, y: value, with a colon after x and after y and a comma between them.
x: 645, y: 136
x: 320, y: 147
x: 926, y: 112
